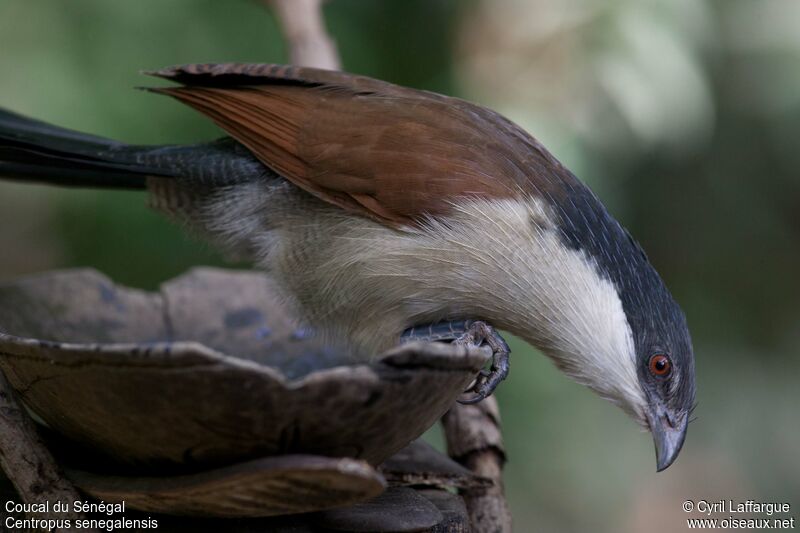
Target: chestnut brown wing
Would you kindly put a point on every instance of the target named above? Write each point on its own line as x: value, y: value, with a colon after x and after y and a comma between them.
x: 394, y: 154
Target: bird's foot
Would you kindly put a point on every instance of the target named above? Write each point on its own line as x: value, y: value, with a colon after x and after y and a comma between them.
x: 477, y: 334
x: 470, y: 333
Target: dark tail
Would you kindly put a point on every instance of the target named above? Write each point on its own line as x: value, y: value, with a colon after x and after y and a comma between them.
x: 35, y: 151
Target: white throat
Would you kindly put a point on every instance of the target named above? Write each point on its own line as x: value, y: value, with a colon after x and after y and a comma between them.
x: 503, y: 261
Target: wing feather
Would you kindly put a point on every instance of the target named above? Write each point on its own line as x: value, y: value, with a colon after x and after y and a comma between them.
x: 391, y: 153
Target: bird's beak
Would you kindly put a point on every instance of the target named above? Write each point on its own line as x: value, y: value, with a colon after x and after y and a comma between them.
x: 669, y: 432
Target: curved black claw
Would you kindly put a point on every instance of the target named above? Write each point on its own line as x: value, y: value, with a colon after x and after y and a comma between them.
x: 485, y: 383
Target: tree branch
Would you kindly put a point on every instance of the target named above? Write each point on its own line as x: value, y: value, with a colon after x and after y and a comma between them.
x: 474, y: 440
x: 27, y: 462
x: 304, y: 30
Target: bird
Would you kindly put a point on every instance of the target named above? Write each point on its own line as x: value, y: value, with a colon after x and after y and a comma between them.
x: 387, y: 213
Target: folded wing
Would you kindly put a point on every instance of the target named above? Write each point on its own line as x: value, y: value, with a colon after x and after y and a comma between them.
x: 387, y: 152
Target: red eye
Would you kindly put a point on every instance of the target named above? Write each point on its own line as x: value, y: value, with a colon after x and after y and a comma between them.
x: 660, y: 365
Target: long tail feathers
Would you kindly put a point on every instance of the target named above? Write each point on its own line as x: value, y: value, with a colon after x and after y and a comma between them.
x: 31, y: 150
x: 34, y: 151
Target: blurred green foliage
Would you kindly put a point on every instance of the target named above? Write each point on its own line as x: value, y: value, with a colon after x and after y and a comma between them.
x: 719, y: 217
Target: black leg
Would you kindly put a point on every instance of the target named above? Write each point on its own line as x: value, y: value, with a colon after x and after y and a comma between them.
x: 470, y: 333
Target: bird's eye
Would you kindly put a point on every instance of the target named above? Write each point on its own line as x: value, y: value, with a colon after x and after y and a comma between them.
x: 660, y: 365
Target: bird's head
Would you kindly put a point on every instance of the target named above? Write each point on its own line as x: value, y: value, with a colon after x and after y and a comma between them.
x: 617, y: 328
x: 585, y: 293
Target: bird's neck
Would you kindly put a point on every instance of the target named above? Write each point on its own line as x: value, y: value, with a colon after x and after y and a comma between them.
x: 503, y: 261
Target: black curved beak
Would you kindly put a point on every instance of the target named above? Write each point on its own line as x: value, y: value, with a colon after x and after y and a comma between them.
x: 669, y: 432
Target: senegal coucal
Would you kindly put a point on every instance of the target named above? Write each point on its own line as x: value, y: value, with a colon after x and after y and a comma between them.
x: 381, y: 209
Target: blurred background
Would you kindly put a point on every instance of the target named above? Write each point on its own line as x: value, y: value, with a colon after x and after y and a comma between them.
x: 683, y: 116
